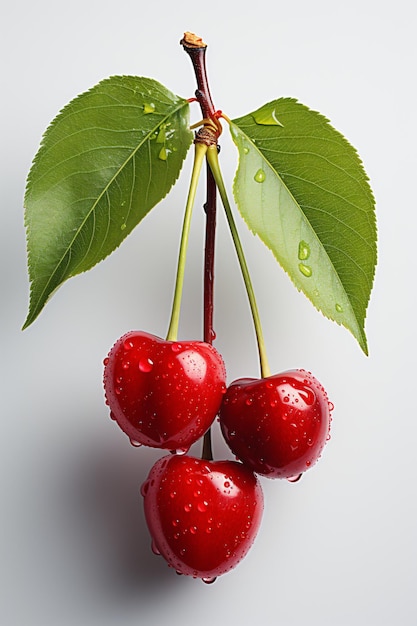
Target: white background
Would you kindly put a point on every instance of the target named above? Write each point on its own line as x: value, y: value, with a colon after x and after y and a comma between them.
x: 339, y: 548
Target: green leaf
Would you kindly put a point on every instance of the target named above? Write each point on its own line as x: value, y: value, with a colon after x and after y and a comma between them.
x: 301, y: 187
x: 108, y: 157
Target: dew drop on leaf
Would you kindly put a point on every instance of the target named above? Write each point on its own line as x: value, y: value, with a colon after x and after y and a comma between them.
x: 339, y: 308
x: 163, y: 154
x: 260, y: 176
x: 266, y: 117
x: 303, y: 250
x: 305, y: 270
x: 148, y: 107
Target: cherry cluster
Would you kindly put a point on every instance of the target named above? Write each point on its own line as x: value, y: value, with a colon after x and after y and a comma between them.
x: 203, y: 515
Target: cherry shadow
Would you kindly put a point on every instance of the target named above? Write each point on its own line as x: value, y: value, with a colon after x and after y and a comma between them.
x: 102, y: 492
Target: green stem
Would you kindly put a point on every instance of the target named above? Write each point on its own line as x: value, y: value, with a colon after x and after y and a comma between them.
x: 199, y: 154
x: 213, y: 161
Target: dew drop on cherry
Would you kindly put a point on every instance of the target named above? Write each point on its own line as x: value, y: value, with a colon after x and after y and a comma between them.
x: 128, y: 344
x: 145, y: 365
x: 144, y: 488
x: 135, y: 444
x: 294, y: 479
x: 154, y: 548
x: 209, y: 580
x: 181, y: 451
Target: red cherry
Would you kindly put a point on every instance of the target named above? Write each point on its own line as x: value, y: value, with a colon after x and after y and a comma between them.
x: 163, y: 394
x: 203, y: 516
x: 278, y: 425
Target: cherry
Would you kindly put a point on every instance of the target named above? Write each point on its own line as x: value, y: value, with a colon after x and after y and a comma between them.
x: 203, y: 516
x: 163, y: 394
x: 277, y: 425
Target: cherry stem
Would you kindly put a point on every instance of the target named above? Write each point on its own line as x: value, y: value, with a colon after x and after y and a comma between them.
x: 196, y: 50
x: 199, y: 154
x: 213, y: 161
x: 210, y: 209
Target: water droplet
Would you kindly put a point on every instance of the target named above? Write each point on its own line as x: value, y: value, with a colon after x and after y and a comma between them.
x: 135, y: 444
x: 209, y: 579
x: 106, y: 361
x: 112, y: 415
x: 308, y: 463
x: 202, y: 506
x: 123, y: 227
x: 128, y: 344
x: 154, y: 548
x: 260, y: 176
x: 144, y: 488
x: 249, y: 401
x: 161, y: 138
x: 188, y: 507
x: 180, y: 451
x: 266, y: 117
x: 305, y: 270
x: 245, y: 150
x: 176, y: 347
x: 193, y: 530
x: 163, y: 154
x: 294, y: 479
x: 303, y: 250
x: 145, y: 365
x: 331, y: 406
x: 339, y: 308
x: 148, y: 107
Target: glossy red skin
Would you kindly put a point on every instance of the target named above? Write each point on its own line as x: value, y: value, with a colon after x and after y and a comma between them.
x: 278, y: 425
x: 203, y: 516
x: 163, y: 394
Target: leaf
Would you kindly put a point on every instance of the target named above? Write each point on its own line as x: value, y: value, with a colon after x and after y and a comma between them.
x: 105, y: 161
x: 301, y: 187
